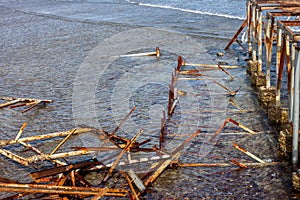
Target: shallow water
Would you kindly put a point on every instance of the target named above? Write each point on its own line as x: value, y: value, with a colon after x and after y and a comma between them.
x: 68, y: 51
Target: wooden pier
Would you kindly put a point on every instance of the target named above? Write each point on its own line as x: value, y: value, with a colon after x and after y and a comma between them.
x: 273, y: 29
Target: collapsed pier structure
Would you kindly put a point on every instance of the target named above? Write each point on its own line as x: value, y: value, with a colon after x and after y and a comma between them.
x: 119, y: 155
x: 273, y: 41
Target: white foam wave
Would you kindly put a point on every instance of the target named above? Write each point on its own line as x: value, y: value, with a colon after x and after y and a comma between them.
x: 187, y: 10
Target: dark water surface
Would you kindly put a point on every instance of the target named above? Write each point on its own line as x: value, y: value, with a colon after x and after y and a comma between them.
x: 68, y: 51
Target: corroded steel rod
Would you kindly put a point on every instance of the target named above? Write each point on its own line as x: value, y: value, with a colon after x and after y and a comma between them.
x: 41, y: 137
x: 155, y: 53
x: 58, y: 155
x: 63, y: 141
x: 236, y: 34
x: 21, y: 131
x: 126, y: 148
x: 14, y: 157
x: 248, y: 153
x: 51, y: 189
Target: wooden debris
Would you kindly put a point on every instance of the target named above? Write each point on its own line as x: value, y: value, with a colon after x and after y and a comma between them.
x: 248, y: 153
x: 135, y: 195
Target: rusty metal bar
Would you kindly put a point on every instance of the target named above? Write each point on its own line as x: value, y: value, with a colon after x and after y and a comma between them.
x: 14, y: 157
x: 21, y: 131
x: 280, y: 72
x: 226, y: 164
x: 63, y: 141
x: 295, y: 158
x: 248, y: 153
x: 126, y: 148
x: 58, y: 155
x: 51, y: 189
x: 62, y: 169
x: 249, y: 30
x: 236, y: 34
x: 259, y: 42
x: 161, y: 168
x: 238, y: 164
x: 154, y: 53
x: 32, y: 106
x: 41, y: 137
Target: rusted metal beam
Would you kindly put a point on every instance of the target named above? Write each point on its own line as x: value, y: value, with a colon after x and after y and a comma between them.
x: 236, y: 34
x: 63, y: 141
x: 126, y: 148
x: 50, y: 189
x: 43, y: 157
x: 154, y: 53
x: 248, y: 153
x: 14, y: 157
x: 161, y: 168
x: 21, y: 131
x: 62, y: 169
x: 41, y: 137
